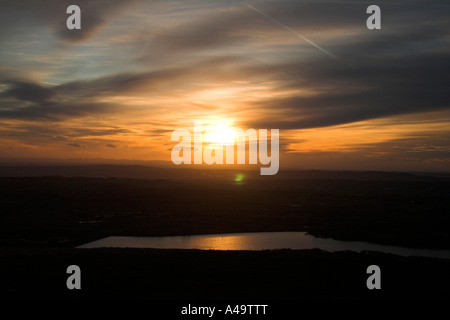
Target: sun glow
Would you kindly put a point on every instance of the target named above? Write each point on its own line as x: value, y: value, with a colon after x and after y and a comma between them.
x: 219, y: 134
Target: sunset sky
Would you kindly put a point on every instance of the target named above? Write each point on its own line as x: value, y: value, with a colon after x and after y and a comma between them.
x: 137, y: 70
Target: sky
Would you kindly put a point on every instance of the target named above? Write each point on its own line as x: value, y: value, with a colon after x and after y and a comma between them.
x: 342, y: 96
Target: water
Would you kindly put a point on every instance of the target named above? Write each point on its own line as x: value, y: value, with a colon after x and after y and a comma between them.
x: 258, y: 241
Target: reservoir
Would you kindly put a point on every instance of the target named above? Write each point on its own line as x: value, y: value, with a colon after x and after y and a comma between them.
x: 258, y: 241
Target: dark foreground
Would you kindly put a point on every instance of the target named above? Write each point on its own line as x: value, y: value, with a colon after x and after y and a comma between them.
x: 187, y: 275
x: 44, y: 218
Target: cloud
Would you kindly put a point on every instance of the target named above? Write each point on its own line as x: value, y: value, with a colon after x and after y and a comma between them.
x: 110, y: 145
x: 28, y: 91
x: 166, y: 64
x: 405, y: 85
x: 216, y: 29
x: 98, y: 132
x: 156, y: 81
x: 413, y: 82
x: 37, y: 101
x: 95, y: 15
x: 76, y: 145
x: 53, y: 111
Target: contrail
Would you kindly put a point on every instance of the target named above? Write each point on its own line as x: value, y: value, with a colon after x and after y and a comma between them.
x: 295, y: 32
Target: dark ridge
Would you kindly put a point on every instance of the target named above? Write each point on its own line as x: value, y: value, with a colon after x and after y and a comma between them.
x: 146, y: 172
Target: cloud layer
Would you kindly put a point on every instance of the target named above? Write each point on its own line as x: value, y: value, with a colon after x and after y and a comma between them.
x: 147, y: 68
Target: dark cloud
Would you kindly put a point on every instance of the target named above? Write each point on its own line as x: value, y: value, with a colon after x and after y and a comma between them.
x: 105, y: 131
x: 60, y: 138
x: 95, y: 15
x: 21, y: 16
x: 399, y: 71
x: 235, y: 26
x: 76, y: 145
x: 219, y: 28
x: 28, y: 91
x: 110, y: 145
x: 158, y: 132
x: 53, y: 111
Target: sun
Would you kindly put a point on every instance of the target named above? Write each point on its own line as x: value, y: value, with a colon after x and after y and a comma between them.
x: 219, y: 134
